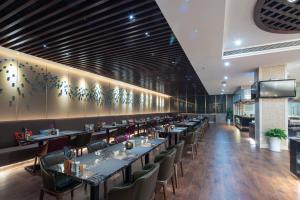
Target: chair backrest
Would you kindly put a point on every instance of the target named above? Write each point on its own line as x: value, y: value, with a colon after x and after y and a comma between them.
x: 147, y: 183
x: 179, y: 150
x: 47, y: 161
x: 82, y: 140
x: 166, y: 165
x: 121, y: 138
x: 58, y: 144
x: 95, y: 146
x: 142, y: 188
x: 190, y: 138
x: 131, y: 129
x: 121, y: 130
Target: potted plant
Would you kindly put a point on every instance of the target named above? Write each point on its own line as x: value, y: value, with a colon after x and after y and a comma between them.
x: 229, y: 115
x: 275, y: 136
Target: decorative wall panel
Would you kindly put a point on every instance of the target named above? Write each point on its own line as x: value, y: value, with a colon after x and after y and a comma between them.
x: 8, y: 89
x: 31, y: 89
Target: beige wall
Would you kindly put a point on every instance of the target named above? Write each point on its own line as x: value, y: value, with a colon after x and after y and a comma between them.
x: 33, y: 88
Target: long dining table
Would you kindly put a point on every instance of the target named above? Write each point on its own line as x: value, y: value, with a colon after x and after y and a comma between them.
x: 176, y: 132
x: 102, y: 164
x: 110, y: 128
x: 41, y: 138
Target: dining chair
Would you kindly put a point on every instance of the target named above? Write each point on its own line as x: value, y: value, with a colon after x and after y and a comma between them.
x: 48, y: 147
x: 95, y: 146
x: 80, y: 142
x: 166, y: 170
x: 178, y: 159
x: 190, y: 141
x: 56, y: 184
x: 142, y: 187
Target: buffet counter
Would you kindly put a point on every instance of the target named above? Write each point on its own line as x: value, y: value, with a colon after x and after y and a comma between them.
x: 294, y: 156
x: 242, y: 122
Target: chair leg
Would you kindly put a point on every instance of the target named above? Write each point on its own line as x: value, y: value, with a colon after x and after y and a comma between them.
x: 42, y: 194
x: 165, y: 192
x: 196, y: 149
x: 181, y: 168
x: 77, y: 152
x: 35, y: 163
x: 142, y: 162
x: 173, y: 184
x: 80, y: 151
x: 85, y: 187
x: 176, y: 174
x: 72, y: 194
x: 193, y: 152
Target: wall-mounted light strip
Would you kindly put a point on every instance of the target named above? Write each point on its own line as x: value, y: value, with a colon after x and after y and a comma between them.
x: 19, y: 55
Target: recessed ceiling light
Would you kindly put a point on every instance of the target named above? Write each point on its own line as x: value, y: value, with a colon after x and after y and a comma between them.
x: 131, y: 17
x: 44, y: 45
x: 147, y: 34
x: 173, y: 62
x: 224, y: 84
x: 225, y: 77
x: 292, y: 1
x: 222, y: 90
x: 226, y: 64
x: 238, y: 42
x: 196, y: 30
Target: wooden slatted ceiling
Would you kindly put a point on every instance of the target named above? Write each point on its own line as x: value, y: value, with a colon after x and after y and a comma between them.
x: 98, y: 36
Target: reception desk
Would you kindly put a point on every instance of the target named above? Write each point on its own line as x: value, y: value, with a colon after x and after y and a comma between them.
x: 242, y: 122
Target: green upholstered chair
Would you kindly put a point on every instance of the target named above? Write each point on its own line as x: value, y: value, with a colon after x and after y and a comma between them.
x: 166, y: 169
x: 190, y: 141
x: 178, y: 159
x: 142, y: 187
x: 56, y: 184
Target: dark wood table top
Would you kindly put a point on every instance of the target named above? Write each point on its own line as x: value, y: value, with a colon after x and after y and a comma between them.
x: 102, y: 164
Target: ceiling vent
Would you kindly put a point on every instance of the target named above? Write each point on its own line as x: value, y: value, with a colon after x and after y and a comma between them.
x: 263, y: 49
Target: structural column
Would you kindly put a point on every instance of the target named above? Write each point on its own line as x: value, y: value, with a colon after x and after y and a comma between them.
x: 270, y: 113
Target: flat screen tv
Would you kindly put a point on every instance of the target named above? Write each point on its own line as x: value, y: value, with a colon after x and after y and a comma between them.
x: 277, y: 88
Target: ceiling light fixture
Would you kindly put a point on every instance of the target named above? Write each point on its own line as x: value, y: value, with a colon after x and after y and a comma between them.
x: 131, y: 17
x: 292, y: 1
x: 45, y: 46
x: 225, y: 77
x: 238, y: 42
x: 147, y: 34
x: 227, y: 64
